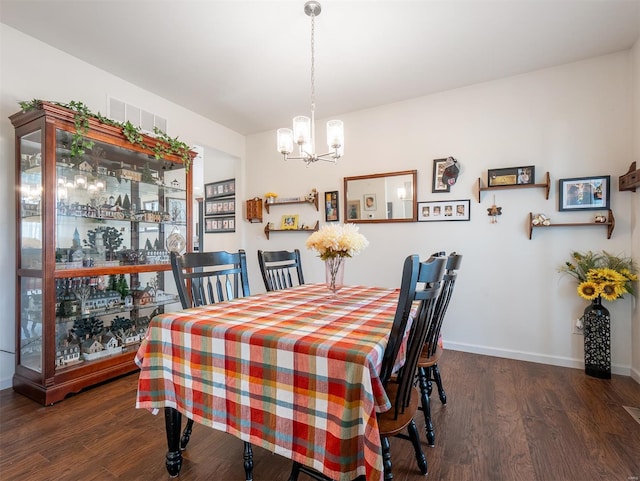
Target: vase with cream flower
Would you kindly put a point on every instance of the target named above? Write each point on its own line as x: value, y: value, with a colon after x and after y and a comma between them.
x: 600, y: 276
x: 334, y: 243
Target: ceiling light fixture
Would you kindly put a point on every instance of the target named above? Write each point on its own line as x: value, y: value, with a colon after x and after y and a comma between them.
x: 304, y: 127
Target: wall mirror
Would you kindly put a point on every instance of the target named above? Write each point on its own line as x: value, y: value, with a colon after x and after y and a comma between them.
x: 375, y: 198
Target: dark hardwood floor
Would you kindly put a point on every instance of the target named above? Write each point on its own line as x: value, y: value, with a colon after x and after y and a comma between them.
x: 505, y: 421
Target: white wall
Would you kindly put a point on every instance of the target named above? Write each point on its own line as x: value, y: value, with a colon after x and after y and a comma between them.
x: 635, y: 206
x: 574, y: 120
x: 31, y: 69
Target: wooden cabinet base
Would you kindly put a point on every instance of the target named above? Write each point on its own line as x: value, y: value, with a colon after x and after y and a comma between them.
x: 65, y: 384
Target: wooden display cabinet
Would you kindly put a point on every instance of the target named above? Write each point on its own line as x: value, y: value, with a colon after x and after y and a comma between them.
x: 93, y: 234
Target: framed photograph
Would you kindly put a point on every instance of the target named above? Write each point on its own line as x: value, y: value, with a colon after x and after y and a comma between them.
x: 177, y: 209
x: 447, y: 210
x: 584, y: 193
x: 438, y: 170
x: 511, y: 176
x: 217, y: 207
x: 331, y: 211
x: 223, y: 188
x: 353, y: 209
x: 289, y: 222
x: 370, y: 202
x: 214, y: 225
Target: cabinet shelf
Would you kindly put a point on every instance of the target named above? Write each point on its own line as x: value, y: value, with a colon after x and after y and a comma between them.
x: 631, y: 180
x: 610, y: 224
x: 267, y: 230
x: 314, y: 201
x: 545, y: 185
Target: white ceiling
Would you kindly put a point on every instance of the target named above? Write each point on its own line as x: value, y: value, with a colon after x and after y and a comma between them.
x: 246, y: 64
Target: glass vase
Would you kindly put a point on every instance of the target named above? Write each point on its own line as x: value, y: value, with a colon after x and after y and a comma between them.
x: 334, y: 273
x: 597, y: 340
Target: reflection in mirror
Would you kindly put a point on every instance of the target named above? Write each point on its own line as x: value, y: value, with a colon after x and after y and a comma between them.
x: 389, y: 197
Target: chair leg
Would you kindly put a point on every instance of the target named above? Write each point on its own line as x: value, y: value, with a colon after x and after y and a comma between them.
x: 295, y: 471
x: 386, y: 458
x: 426, y: 406
x: 248, y: 461
x: 438, y: 379
x: 186, y: 435
x: 415, y: 440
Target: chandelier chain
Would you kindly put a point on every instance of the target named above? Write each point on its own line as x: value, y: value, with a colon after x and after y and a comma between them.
x: 313, y: 67
x: 303, y: 132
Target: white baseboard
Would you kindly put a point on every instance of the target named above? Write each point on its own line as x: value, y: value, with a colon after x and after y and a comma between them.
x: 5, y: 383
x: 535, y: 357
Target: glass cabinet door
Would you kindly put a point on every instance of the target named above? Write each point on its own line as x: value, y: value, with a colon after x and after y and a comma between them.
x: 31, y: 248
x: 31, y: 200
x: 114, y: 208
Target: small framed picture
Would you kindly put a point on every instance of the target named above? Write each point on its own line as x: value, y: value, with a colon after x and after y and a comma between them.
x: 223, y: 188
x: 353, y: 210
x: 214, y: 225
x: 216, y: 207
x: 331, y: 211
x: 438, y: 171
x: 584, y: 193
x: 511, y: 176
x: 449, y: 210
x: 289, y: 222
x: 370, y: 202
x: 177, y: 209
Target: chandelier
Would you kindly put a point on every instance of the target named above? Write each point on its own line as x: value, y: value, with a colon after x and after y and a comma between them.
x: 304, y: 127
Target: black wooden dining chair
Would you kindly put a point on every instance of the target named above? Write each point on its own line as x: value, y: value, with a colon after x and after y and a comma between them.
x: 428, y: 370
x: 280, y: 269
x: 207, y: 278
x: 420, y: 283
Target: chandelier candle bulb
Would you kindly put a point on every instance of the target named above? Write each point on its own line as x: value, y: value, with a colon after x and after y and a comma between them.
x: 302, y: 129
x: 335, y: 134
x: 285, y: 141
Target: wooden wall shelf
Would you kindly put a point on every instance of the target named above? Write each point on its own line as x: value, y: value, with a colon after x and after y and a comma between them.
x: 631, y: 180
x: 545, y: 185
x: 610, y: 224
x: 268, y: 205
x: 267, y: 230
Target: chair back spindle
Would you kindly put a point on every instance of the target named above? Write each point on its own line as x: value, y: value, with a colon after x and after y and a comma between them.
x: 448, y: 283
x: 280, y: 269
x: 208, y: 277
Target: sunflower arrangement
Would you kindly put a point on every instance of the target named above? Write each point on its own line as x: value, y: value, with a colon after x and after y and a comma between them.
x: 601, y: 274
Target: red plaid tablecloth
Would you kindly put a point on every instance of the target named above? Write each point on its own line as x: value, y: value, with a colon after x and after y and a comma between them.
x: 293, y: 371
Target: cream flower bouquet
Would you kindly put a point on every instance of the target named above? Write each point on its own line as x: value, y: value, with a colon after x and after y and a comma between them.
x: 333, y: 243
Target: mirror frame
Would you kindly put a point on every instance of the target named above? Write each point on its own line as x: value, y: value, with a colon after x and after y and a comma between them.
x: 414, y: 181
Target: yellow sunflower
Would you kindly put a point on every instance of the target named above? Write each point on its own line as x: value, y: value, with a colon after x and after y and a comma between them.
x: 588, y: 290
x: 610, y: 290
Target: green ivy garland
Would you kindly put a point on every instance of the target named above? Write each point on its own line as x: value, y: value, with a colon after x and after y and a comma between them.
x: 79, y: 143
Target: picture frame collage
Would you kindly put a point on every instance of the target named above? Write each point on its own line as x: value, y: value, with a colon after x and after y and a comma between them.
x: 220, y: 207
x: 445, y: 210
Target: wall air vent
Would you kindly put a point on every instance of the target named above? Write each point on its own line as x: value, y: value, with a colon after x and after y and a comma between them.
x: 122, y: 112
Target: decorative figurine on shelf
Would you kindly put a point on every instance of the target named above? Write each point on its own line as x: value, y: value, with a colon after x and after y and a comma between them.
x: 540, y: 219
x: 311, y: 196
x: 494, y: 211
x: 600, y: 219
x: 270, y: 197
x: 122, y: 286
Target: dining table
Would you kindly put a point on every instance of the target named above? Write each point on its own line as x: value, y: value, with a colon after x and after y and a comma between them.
x: 294, y: 371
